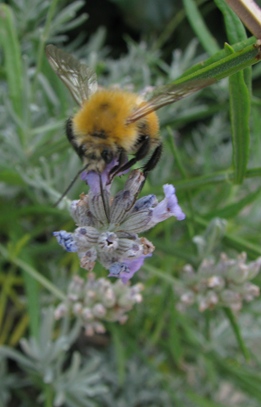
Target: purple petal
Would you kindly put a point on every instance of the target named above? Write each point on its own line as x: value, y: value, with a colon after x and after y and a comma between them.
x: 93, y: 179
x: 66, y: 240
x: 125, y: 270
x: 146, y: 202
x: 117, y: 268
x: 96, y: 180
x: 172, y: 202
x: 167, y: 207
x: 133, y: 265
x: 169, y: 190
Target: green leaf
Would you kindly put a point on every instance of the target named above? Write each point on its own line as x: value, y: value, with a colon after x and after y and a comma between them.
x: 239, y: 114
x: 234, y: 28
x: 246, y: 379
x: 11, y: 177
x: 175, y: 340
x: 240, y: 88
x: 230, y: 211
x: 244, y: 52
x: 236, y: 329
x: 217, y: 177
x: 33, y: 273
x: 32, y: 294
x: 199, y: 401
x: 120, y: 353
x: 12, y: 59
x: 205, y: 37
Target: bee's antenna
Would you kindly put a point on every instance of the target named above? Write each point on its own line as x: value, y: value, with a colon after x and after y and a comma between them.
x: 70, y: 185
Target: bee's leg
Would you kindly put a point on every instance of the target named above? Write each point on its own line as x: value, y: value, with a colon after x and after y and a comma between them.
x: 153, y: 161
x: 140, y: 154
x: 123, y: 158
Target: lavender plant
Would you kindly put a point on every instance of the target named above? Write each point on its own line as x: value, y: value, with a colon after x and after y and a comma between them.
x: 43, y: 362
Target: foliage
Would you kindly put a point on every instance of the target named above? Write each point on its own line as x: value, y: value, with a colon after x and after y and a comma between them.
x: 161, y: 356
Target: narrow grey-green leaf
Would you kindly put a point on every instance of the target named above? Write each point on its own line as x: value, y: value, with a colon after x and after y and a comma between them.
x: 12, y: 59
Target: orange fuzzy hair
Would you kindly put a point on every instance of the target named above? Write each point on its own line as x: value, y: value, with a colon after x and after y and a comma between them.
x: 107, y: 112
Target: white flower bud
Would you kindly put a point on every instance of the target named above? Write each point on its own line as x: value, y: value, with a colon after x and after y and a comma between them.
x: 60, y: 311
x: 87, y: 314
x: 250, y: 292
x: 99, y: 311
x: 109, y: 298
x: 188, y: 298
x: 137, y: 298
x: 188, y: 269
x: 99, y: 328
x: 202, y: 304
x: 77, y: 308
x: 229, y: 297
x: 89, y: 330
x: 215, y: 282
x: 238, y: 273
x: 254, y: 268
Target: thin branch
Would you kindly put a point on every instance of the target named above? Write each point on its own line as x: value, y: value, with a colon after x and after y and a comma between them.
x: 250, y: 14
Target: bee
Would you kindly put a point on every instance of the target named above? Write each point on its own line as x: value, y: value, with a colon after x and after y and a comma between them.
x: 111, y: 123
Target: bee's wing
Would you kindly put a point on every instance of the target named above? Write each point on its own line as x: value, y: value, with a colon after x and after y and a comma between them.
x: 166, y: 95
x: 79, y: 78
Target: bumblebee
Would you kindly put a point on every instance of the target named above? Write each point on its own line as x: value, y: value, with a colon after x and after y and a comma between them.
x: 112, y: 124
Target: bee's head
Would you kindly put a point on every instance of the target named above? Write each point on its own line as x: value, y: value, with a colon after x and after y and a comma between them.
x: 97, y: 158
x: 94, y: 149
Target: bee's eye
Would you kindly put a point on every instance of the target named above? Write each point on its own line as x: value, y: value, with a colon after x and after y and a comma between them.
x: 107, y: 156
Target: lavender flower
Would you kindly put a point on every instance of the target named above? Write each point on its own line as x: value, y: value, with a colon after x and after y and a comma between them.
x: 223, y: 283
x: 107, y: 227
x: 96, y: 301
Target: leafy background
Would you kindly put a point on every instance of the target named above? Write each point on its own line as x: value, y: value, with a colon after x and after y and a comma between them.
x: 161, y: 356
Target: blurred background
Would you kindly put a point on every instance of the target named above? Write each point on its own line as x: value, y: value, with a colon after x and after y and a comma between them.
x: 186, y: 344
